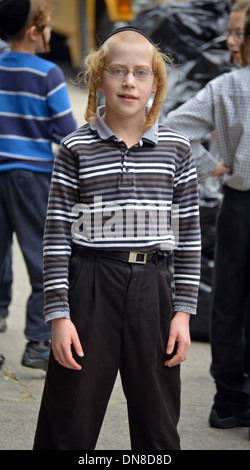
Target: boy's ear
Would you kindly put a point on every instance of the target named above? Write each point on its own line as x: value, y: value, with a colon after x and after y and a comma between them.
x: 155, y: 84
x: 99, y: 85
x: 32, y: 33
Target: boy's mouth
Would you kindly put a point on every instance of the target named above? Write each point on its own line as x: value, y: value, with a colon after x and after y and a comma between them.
x: 128, y: 97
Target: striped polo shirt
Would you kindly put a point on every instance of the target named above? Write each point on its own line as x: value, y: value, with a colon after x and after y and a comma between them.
x: 110, y: 197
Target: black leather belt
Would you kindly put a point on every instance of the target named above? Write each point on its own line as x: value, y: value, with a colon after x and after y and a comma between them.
x: 126, y: 256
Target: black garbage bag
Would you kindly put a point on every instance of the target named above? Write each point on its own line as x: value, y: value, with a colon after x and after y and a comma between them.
x: 210, y: 201
x: 200, y: 323
x: 192, y: 32
x: 209, y: 204
x: 207, y: 269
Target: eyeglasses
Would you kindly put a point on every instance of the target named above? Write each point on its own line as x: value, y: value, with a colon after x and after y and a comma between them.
x: 50, y: 26
x: 235, y: 34
x: 120, y: 73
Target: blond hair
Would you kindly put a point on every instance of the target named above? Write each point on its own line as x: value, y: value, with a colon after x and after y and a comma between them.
x: 91, y: 74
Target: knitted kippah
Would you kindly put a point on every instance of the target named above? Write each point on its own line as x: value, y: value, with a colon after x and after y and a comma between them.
x: 14, y: 15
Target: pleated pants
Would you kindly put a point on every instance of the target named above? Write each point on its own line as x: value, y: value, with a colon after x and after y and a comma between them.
x: 122, y: 313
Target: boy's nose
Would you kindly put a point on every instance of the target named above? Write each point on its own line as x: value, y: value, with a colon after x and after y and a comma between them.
x: 230, y: 40
x: 129, y: 78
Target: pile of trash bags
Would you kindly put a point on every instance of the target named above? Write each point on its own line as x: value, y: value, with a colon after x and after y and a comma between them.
x: 210, y: 200
x: 192, y: 32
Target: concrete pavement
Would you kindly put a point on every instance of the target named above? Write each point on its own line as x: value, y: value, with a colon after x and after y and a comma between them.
x: 21, y: 388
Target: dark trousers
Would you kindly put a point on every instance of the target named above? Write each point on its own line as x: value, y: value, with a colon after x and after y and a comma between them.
x: 230, y: 306
x: 23, y: 206
x: 122, y: 313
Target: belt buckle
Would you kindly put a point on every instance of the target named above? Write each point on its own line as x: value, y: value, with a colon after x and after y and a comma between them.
x: 133, y: 257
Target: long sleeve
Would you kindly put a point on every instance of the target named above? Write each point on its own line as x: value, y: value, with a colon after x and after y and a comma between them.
x: 57, y: 243
x: 188, y: 246
x: 62, y: 121
x: 195, y: 119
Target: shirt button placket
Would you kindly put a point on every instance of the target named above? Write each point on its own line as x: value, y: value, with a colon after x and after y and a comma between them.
x: 126, y: 180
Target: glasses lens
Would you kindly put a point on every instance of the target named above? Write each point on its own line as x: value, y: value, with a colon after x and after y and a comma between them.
x: 118, y: 73
x: 142, y: 74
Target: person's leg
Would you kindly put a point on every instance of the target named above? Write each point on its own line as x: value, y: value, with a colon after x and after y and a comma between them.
x: 30, y: 191
x: 27, y: 205
x: 6, y: 232
x: 152, y: 389
x: 247, y: 307
x: 247, y: 331
x: 5, y: 282
x: 74, y: 402
x: 227, y: 315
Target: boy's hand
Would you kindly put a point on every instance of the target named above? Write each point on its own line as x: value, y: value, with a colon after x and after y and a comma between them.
x: 220, y: 169
x: 64, y: 336
x: 179, y: 334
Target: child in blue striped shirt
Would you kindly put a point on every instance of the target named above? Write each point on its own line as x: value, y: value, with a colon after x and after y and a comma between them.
x: 34, y: 112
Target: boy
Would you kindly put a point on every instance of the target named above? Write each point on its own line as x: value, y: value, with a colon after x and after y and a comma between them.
x: 34, y: 111
x: 223, y: 105
x: 120, y: 173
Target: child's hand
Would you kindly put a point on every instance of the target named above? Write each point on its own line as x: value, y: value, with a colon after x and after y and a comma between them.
x: 179, y: 335
x: 220, y: 169
x: 64, y: 336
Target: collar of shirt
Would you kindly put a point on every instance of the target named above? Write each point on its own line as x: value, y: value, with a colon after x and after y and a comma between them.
x: 150, y: 136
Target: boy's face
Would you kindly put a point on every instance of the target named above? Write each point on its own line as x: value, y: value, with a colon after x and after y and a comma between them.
x: 127, y: 97
x: 44, y: 39
x: 235, y: 34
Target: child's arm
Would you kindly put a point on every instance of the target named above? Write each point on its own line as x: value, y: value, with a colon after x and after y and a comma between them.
x: 186, y: 258
x: 57, y: 242
x: 196, y: 119
x: 62, y: 121
x: 187, y: 251
x: 64, y: 194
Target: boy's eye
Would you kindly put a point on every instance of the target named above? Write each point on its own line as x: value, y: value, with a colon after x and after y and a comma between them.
x: 141, y: 73
x: 118, y: 72
x: 235, y: 34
